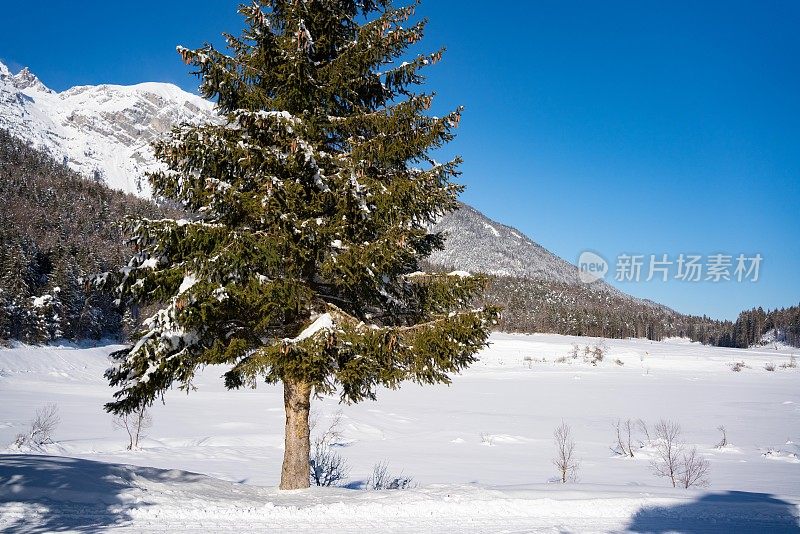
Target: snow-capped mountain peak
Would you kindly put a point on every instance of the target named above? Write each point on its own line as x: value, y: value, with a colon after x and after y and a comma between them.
x: 25, y: 79
x: 103, y: 131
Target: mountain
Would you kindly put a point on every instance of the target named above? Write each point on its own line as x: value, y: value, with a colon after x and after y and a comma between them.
x: 476, y: 243
x: 104, y: 131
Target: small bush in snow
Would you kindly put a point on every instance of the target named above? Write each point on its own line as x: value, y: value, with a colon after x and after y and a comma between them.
x: 574, y: 351
x: 642, y: 426
x: 41, y: 428
x: 668, y: 449
x: 382, y: 480
x: 135, y: 424
x: 737, y: 366
x: 686, y: 469
x: 487, y: 439
x: 769, y: 366
x: 724, y: 441
x: 326, y: 466
x: 565, y: 460
x: 619, y: 362
x: 778, y: 453
x: 624, y: 432
x: 332, y: 434
x: 593, y: 355
x: 693, y: 470
x: 792, y: 363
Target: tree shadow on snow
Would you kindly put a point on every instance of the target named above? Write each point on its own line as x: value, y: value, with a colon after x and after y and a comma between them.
x: 55, y: 494
x: 731, y: 511
x: 355, y: 484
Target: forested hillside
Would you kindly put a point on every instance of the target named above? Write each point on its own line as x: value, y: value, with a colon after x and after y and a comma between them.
x: 55, y: 228
x: 575, y: 309
x: 578, y: 309
x: 758, y: 326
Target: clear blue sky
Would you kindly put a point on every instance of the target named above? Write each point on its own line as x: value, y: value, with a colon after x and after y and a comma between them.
x: 620, y: 127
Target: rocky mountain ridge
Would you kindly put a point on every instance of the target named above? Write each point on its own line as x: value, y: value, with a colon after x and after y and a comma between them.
x: 103, y: 131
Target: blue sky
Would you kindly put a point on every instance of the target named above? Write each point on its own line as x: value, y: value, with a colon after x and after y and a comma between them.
x: 618, y: 127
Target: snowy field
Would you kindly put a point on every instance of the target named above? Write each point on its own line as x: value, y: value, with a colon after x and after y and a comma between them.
x: 480, y: 450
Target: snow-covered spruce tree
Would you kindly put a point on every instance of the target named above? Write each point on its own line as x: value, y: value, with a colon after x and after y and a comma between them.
x: 311, y: 202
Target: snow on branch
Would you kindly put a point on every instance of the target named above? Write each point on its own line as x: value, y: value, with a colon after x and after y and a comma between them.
x: 323, y: 323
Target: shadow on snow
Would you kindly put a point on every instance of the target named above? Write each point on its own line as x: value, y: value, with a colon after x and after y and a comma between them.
x: 730, y: 511
x: 55, y: 494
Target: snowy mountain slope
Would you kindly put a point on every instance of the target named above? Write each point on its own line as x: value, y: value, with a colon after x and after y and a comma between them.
x: 104, y: 131
x: 478, y: 244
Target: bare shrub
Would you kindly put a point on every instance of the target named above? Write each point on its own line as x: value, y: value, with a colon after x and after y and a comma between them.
x: 619, y: 362
x: 642, y: 426
x: 769, y: 366
x: 382, y: 480
x: 724, y: 441
x: 135, y: 424
x: 668, y: 449
x: 326, y: 466
x: 593, y: 355
x: 624, y: 431
x: 41, y: 429
x: 565, y: 460
x: 598, y: 355
x: 737, y: 366
x: 487, y: 439
x: 332, y: 434
x: 694, y: 470
x: 574, y: 351
x: 628, y: 426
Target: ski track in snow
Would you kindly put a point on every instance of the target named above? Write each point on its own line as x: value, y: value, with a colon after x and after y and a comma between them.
x: 213, y: 457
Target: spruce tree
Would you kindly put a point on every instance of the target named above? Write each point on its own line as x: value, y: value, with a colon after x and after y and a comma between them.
x: 311, y: 202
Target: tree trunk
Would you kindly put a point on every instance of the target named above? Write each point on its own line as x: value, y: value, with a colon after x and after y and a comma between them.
x: 297, y: 402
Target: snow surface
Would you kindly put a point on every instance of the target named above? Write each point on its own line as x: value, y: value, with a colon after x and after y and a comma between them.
x: 212, y: 460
